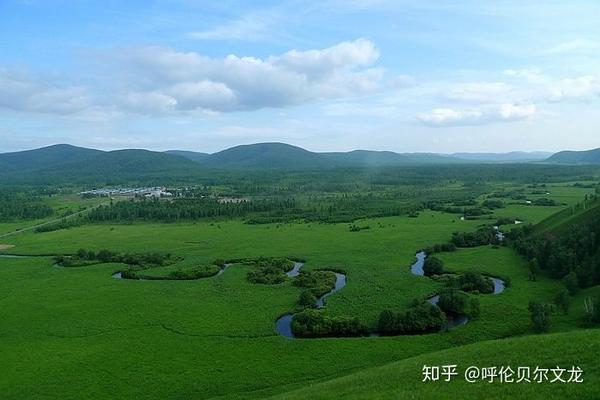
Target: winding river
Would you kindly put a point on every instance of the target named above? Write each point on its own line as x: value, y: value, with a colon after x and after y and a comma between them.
x: 283, y: 325
x: 457, y: 319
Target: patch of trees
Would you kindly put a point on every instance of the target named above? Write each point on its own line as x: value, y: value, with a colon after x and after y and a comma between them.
x: 472, y: 282
x: 357, y: 228
x: 315, y: 323
x: 456, y: 302
x: 482, y: 236
x: 441, y: 248
x: 187, y: 209
x: 541, y: 316
x: 493, y: 204
x: 466, y: 211
x: 56, y: 226
x: 197, y: 272
x: 573, y: 254
x: 542, y: 201
x: 85, y: 257
x: 421, y: 317
x: 16, y: 205
x: 433, y: 266
x: 270, y: 271
x: 314, y: 284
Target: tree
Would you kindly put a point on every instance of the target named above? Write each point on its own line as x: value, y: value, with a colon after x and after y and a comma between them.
x: 433, y: 266
x: 571, y: 282
x: 533, y: 269
x: 540, y: 316
x: 82, y: 254
x: 307, y: 299
x: 562, y: 300
x: 474, y: 308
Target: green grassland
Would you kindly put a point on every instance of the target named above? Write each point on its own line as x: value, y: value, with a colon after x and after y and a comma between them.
x: 78, y: 333
x: 403, y: 379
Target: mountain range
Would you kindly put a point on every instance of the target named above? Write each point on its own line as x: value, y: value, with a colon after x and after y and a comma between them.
x: 67, y: 162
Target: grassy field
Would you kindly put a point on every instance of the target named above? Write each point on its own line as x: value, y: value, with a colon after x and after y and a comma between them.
x: 79, y: 333
x: 403, y: 379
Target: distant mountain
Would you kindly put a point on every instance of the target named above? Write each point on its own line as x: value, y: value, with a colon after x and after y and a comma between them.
x: 46, y: 157
x: 71, y: 164
x: 281, y: 155
x: 576, y: 157
x: 265, y: 155
x: 112, y: 167
x: 514, y: 156
x: 190, y: 155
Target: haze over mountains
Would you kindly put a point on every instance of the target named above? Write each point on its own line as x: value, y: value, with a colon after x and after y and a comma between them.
x: 66, y: 162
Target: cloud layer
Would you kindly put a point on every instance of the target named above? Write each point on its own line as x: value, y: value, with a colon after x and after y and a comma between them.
x: 157, y: 80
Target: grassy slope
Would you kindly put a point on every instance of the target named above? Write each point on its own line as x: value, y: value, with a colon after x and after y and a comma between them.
x: 403, y: 379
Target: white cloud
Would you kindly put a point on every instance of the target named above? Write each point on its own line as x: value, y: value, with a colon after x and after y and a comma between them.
x: 236, y: 83
x: 454, y: 117
x: 581, y: 88
x: 250, y: 27
x: 159, y: 81
x: 19, y: 91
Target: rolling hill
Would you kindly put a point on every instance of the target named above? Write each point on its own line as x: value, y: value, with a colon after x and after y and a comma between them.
x: 46, y: 157
x: 576, y: 157
x: 265, y: 155
x: 403, y: 379
x: 281, y: 155
x: 190, y: 155
x: 112, y: 167
x: 63, y: 161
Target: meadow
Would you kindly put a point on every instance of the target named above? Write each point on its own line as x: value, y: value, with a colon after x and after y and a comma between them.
x: 79, y: 333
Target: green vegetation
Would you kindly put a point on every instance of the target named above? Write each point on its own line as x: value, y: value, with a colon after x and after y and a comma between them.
x: 22, y: 205
x: 270, y: 271
x: 313, y: 323
x: 433, y: 266
x: 192, y: 332
x: 421, y: 317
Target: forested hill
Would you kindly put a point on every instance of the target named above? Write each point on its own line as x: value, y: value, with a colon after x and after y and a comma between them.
x: 46, y: 157
x: 97, y: 167
x: 281, y: 155
x: 565, y: 246
x: 576, y: 157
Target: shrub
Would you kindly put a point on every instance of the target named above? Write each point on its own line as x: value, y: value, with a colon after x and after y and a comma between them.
x: 421, y: 317
x: 562, y: 300
x: 454, y: 302
x: 433, y: 266
x: 472, y: 282
x: 198, y: 272
x: 313, y: 323
x: 540, y: 316
x: 307, y: 299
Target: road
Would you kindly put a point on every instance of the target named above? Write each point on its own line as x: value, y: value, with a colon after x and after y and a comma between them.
x: 29, y: 228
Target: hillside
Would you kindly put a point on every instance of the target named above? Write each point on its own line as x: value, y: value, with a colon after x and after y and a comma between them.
x: 403, y: 379
x: 281, y: 155
x: 46, y: 157
x: 113, y: 167
x: 572, y: 215
x: 576, y: 157
x: 190, y: 155
x: 264, y: 155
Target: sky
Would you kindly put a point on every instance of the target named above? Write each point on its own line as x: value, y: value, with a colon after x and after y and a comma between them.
x: 331, y: 75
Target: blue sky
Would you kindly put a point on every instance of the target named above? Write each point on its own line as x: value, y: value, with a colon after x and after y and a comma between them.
x: 407, y: 76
